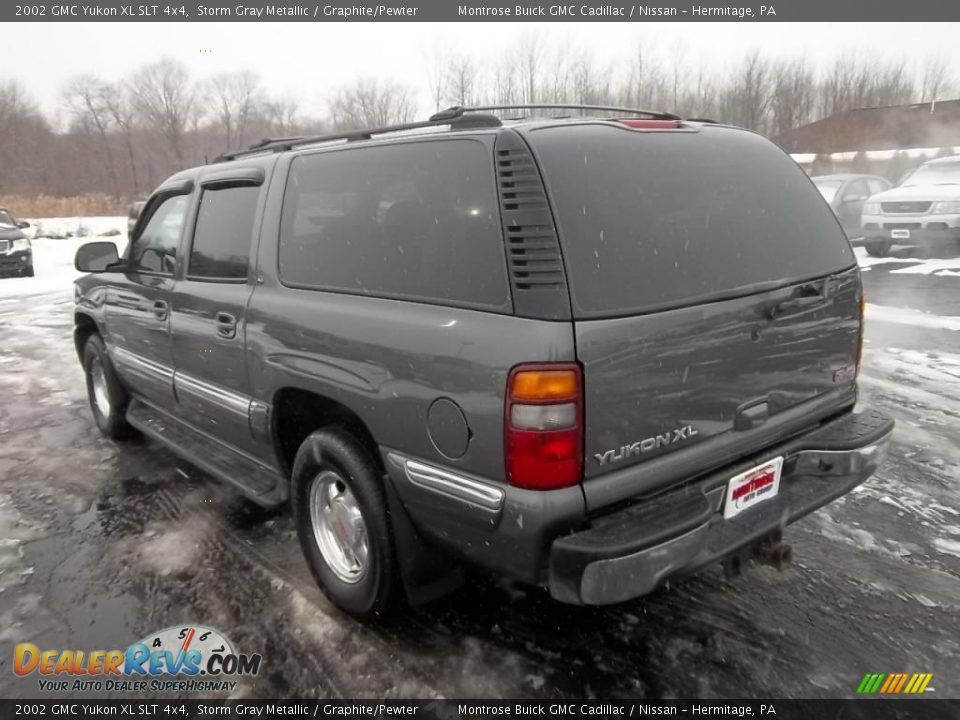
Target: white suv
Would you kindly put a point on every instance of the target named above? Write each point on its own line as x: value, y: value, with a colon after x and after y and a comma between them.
x: 923, y: 210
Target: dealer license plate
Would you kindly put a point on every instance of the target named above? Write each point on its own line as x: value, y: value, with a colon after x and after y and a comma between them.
x: 752, y: 487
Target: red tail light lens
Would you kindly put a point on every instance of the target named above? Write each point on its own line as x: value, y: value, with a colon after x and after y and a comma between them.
x: 543, y: 426
x: 649, y: 124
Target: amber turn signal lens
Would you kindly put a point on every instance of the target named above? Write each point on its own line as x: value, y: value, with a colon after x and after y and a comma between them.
x: 545, y: 385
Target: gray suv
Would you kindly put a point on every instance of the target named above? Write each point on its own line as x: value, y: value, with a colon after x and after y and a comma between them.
x: 590, y: 354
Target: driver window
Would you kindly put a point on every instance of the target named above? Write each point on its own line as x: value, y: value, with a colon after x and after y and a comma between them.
x: 155, y: 250
x: 857, y: 191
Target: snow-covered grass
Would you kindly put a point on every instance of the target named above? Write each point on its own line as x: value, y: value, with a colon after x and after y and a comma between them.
x: 53, y: 259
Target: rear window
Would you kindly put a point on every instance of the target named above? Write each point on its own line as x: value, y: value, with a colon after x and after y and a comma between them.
x: 412, y: 221
x: 650, y: 221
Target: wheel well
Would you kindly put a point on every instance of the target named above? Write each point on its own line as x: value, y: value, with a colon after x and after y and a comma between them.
x: 297, y: 413
x: 83, y: 327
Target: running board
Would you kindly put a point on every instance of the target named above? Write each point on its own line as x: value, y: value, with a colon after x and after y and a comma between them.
x: 258, y: 482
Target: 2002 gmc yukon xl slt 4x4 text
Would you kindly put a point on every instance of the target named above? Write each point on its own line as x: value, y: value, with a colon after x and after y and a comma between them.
x: 590, y: 354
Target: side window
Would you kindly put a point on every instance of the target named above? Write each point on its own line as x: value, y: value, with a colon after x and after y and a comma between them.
x: 223, y: 234
x: 418, y: 220
x: 155, y: 250
x: 856, y: 190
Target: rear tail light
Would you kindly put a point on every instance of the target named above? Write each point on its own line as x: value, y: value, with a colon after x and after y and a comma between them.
x: 863, y: 315
x: 543, y: 426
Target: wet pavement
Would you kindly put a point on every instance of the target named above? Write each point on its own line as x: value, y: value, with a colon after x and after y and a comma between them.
x: 100, y: 544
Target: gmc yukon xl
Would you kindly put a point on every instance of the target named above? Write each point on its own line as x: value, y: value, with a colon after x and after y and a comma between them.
x: 591, y: 354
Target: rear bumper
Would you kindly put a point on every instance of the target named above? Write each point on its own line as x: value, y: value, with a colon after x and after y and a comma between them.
x: 631, y: 552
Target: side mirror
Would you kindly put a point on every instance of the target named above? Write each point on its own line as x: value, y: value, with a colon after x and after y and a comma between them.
x: 854, y: 199
x: 95, y: 257
x: 22, y: 224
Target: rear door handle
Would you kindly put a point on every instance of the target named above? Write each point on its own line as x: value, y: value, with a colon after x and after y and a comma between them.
x: 226, y: 325
x: 160, y: 310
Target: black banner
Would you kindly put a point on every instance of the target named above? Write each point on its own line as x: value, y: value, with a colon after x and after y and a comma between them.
x: 872, y: 709
x: 478, y: 10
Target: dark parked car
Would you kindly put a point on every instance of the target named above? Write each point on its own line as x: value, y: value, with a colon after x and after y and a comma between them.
x: 847, y: 194
x: 16, y: 253
x: 590, y: 354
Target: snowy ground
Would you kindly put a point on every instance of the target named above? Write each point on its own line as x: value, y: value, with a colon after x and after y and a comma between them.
x: 53, y: 258
x: 102, y: 543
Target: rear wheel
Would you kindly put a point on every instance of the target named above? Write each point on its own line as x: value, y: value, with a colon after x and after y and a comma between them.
x: 108, y: 399
x: 879, y: 248
x: 341, y: 517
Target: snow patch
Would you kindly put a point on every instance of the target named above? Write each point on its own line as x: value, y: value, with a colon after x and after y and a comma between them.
x: 947, y: 547
x: 915, y: 318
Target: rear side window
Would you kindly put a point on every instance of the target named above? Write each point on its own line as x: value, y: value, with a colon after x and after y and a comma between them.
x: 417, y: 220
x: 650, y: 221
x: 223, y: 234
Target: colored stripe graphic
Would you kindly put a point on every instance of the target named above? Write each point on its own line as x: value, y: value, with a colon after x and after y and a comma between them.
x: 894, y: 683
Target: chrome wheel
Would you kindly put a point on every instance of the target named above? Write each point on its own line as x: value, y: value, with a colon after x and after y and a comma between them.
x: 101, y: 397
x: 338, y: 527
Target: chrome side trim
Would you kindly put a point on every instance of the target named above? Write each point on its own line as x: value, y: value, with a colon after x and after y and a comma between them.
x: 214, y: 394
x: 140, y: 365
x: 456, y: 486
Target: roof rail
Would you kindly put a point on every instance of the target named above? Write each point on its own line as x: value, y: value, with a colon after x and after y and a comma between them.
x: 457, y: 111
x: 274, y: 145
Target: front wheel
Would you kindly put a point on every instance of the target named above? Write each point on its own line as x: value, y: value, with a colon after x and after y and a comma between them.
x: 108, y: 399
x: 341, y: 517
x: 879, y: 248
x: 27, y: 271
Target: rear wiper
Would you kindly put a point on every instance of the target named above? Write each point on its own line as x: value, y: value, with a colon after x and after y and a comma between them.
x: 809, y: 295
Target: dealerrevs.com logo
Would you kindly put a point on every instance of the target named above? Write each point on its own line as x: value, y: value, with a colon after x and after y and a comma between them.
x: 176, y: 659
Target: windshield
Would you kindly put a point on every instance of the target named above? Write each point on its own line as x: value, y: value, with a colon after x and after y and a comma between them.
x: 828, y: 188
x: 5, y: 219
x: 940, y: 174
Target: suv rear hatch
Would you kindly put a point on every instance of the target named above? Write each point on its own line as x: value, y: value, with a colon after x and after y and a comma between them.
x: 716, y: 300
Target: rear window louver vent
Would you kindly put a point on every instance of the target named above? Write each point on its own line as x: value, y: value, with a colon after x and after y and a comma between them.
x: 533, y: 252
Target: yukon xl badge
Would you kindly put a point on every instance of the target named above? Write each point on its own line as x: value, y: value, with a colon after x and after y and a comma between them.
x: 640, y: 447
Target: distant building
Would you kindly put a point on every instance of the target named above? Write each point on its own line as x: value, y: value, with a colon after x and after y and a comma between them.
x: 885, y: 141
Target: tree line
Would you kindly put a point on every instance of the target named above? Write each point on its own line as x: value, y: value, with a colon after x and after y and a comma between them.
x: 124, y: 136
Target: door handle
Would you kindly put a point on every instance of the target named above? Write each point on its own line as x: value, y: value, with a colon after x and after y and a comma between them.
x: 160, y: 309
x: 226, y: 325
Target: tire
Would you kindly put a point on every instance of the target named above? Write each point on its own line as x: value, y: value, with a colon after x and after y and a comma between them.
x: 29, y: 271
x: 340, y: 510
x: 878, y: 248
x: 108, y: 399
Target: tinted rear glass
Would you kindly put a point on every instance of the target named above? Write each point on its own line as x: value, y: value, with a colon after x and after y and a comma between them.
x: 651, y: 220
x: 417, y: 220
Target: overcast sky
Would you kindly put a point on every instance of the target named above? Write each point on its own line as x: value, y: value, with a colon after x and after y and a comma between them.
x: 309, y: 60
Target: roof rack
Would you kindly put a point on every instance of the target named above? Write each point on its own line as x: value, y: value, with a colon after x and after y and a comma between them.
x: 452, y: 113
x: 274, y: 145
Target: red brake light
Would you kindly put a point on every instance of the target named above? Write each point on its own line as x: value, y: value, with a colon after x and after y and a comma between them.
x: 641, y: 124
x: 543, y: 426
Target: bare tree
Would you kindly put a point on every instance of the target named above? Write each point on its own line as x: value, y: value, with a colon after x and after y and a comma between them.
x: 371, y: 103
x: 529, y: 59
x: 747, y: 99
x: 437, y: 60
x: 25, y: 141
x: 934, y: 78
x: 166, y: 99
x: 236, y: 99
x: 282, y: 116
x: 118, y: 102
x: 462, y: 81
x: 84, y: 97
x: 792, y: 94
